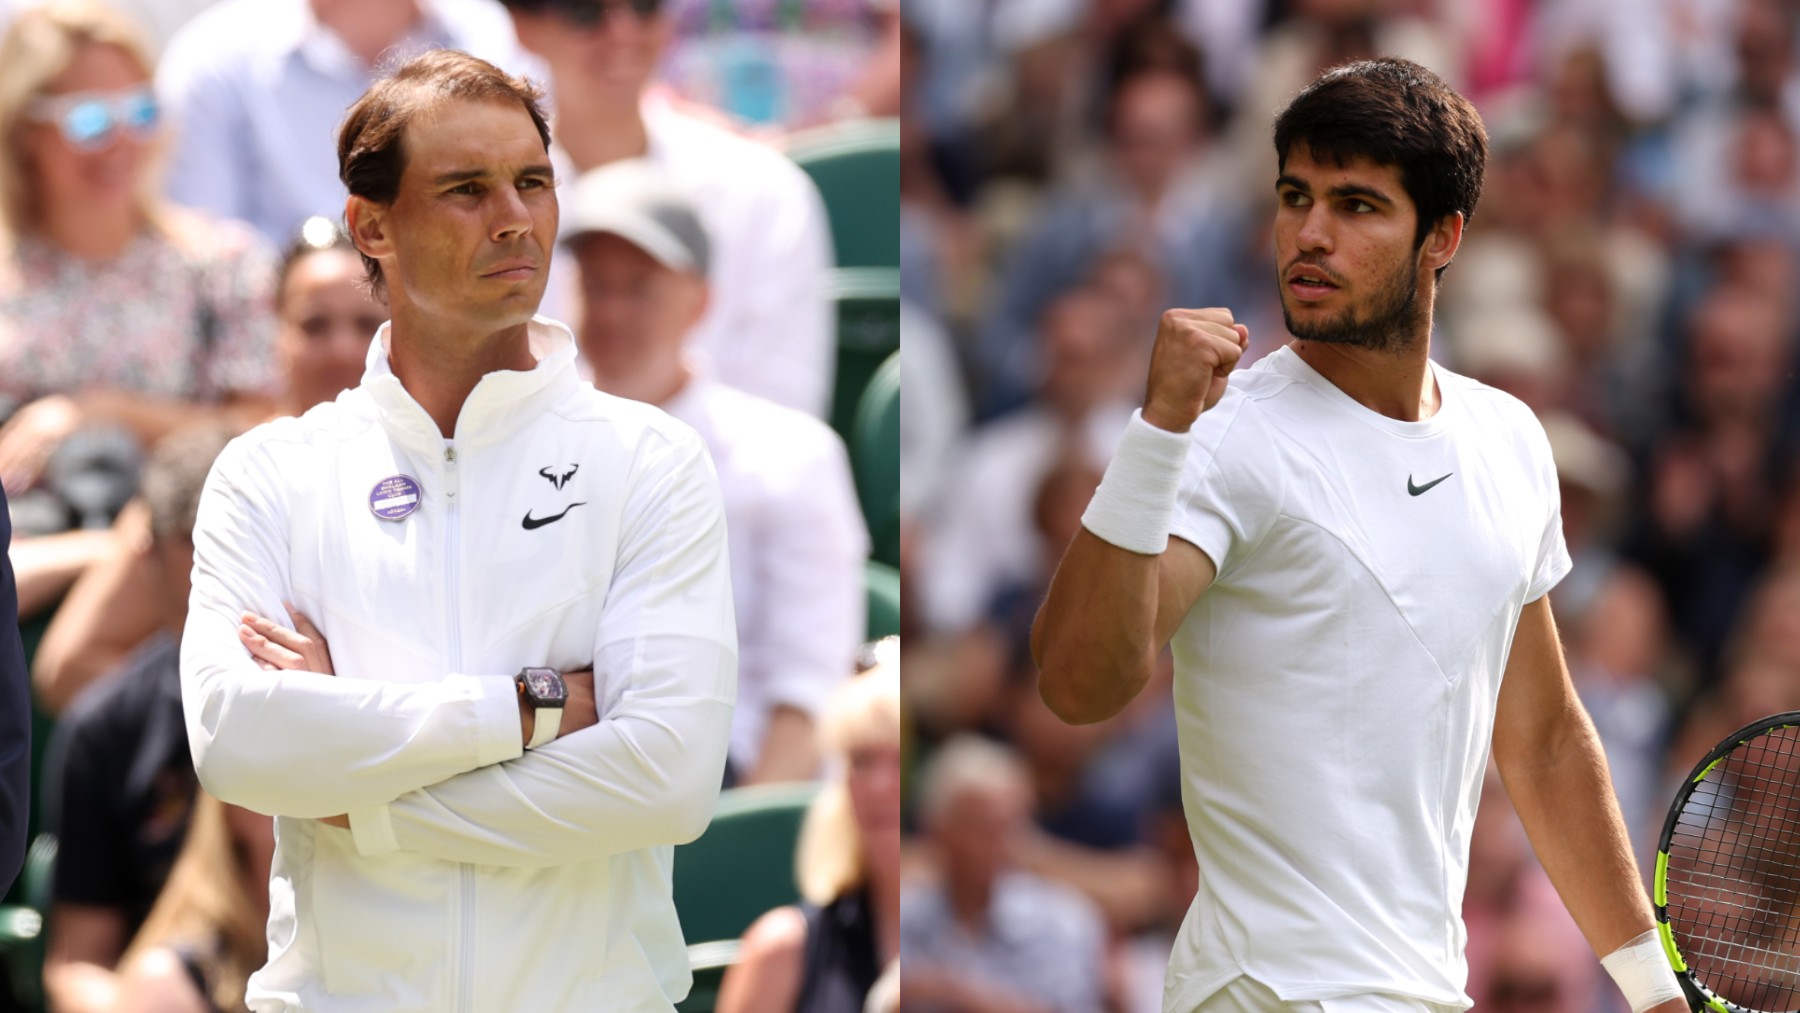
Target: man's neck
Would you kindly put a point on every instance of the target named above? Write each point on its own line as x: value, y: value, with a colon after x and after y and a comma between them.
x: 1397, y: 384
x: 368, y: 28
x: 657, y: 386
x: 440, y: 363
x: 604, y: 127
x: 969, y: 903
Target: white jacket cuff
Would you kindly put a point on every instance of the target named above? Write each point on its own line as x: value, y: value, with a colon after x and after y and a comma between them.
x: 499, y: 731
x: 373, y: 830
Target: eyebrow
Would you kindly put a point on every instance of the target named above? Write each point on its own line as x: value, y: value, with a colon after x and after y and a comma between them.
x: 465, y: 175
x: 1353, y: 190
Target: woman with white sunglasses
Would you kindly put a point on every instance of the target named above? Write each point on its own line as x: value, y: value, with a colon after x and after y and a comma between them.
x: 117, y: 310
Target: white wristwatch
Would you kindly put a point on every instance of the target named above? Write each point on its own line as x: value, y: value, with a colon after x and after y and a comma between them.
x: 544, y: 691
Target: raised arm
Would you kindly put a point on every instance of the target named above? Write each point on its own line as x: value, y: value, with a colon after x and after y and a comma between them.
x: 665, y: 664
x: 300, y: 743
x: 1555, y: 772
x: 1124, y: 585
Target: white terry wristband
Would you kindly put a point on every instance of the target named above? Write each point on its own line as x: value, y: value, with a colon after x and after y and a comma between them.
x: 1642, y: 971
x: 1135, y: 504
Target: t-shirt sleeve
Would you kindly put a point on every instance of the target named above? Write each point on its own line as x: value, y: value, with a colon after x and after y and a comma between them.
x: 1552, y: 563
x: 1224, y: 504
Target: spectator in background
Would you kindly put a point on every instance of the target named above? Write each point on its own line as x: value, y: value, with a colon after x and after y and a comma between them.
x: 206, y: 934
x: 327, y: 316
x: 1155, y: 197
x: 787, y: 63
x: 824, y: 955
x: 767, y: 328
x: 796, y: 531
x: 257, y: 89
x: 1710, y: 483
x: 116, y: 309
x: 984, y: 541
x: 977, y: 935
x: 123, y: 777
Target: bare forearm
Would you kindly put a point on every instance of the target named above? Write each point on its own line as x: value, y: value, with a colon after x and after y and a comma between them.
x: 1565, y: 799
x: 46, y: 566
x: 1094, y: 639
x: 152, y: 418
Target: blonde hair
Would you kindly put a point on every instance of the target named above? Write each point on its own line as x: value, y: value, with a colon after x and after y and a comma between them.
x: 865, y: 710
x: 206, y: 904
x: 41, y: 44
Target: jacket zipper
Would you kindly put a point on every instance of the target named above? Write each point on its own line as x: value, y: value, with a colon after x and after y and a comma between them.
x: 465, y: 874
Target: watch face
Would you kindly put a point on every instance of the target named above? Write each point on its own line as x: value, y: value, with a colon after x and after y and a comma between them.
x: 544, y: 686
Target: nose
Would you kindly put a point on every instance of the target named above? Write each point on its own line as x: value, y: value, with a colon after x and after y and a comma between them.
x: 1315, y: 229
x: 511, y: 219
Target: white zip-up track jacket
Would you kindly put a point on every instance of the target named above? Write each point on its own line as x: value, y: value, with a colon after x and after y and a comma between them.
x: 562, y: 527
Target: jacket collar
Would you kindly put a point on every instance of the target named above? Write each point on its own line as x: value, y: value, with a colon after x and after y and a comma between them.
x: 501, y: 403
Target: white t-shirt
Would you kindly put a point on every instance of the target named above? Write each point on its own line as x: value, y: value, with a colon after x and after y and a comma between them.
x: 1336, y: 686
x: 797, y: 542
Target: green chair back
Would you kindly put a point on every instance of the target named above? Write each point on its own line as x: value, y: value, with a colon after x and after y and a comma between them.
x: 743, y: 865
x: 875, y: 459
x: 868, y: 331
x: 856, y: 166
x: 24, y: 927
x: 883, y: 584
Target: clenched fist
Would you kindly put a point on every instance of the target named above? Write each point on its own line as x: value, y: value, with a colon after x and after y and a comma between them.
x: 1195, y: 351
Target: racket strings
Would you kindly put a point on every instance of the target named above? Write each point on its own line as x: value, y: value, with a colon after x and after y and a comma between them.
x: 1733, y: 879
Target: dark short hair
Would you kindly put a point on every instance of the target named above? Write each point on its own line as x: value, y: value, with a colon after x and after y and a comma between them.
x: 317, y: 234
x: 1393, y: 112
x: 174, y: 475
x: 371, y: 148
x: 581, y: 12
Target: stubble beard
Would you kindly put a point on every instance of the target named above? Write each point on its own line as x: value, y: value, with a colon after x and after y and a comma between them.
x: 1390, y: 324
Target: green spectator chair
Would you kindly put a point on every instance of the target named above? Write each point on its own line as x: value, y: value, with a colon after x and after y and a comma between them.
x: 856, y: 166
x: 27, y: 905
x: 867, y: 301
x: 883, y: 583
x: 741, y: 867
x: 23, y: 926
x: 875, y: 459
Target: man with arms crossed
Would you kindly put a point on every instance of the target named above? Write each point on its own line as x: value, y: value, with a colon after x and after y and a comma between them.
x: 523, y: 585
x: 1355, y: 597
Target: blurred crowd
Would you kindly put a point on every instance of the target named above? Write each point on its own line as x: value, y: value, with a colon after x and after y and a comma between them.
x: 173, y: 270
x: 1073, y: 167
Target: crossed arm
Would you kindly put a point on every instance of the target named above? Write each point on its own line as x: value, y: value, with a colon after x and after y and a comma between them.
x: 437, y: 767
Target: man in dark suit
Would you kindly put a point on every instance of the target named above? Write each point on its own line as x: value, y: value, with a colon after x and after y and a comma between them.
x: 15, y: 721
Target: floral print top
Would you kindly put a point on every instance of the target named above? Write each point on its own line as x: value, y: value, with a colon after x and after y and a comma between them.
x: 190, y: 319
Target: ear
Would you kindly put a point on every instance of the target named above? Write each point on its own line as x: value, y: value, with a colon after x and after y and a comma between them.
x: 702, y: 298
x: 1442, y: 242
x: 367, y: 223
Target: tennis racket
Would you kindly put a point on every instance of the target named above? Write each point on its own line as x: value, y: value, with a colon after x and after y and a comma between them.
x: 1727, y: 888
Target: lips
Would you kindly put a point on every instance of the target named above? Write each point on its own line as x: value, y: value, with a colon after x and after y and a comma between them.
x: 511, y: 270
x: 1309, y: 282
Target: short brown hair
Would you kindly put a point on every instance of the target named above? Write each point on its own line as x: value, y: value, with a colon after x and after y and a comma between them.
x: 1394, y: 112
x: 371, y: 148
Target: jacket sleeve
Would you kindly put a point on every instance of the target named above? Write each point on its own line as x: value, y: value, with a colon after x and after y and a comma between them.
x: 649, y: 772
x: 15, y: 721
x: 301, y: 743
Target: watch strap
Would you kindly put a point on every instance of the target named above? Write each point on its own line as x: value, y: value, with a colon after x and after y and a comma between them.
x: 545, y: 723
